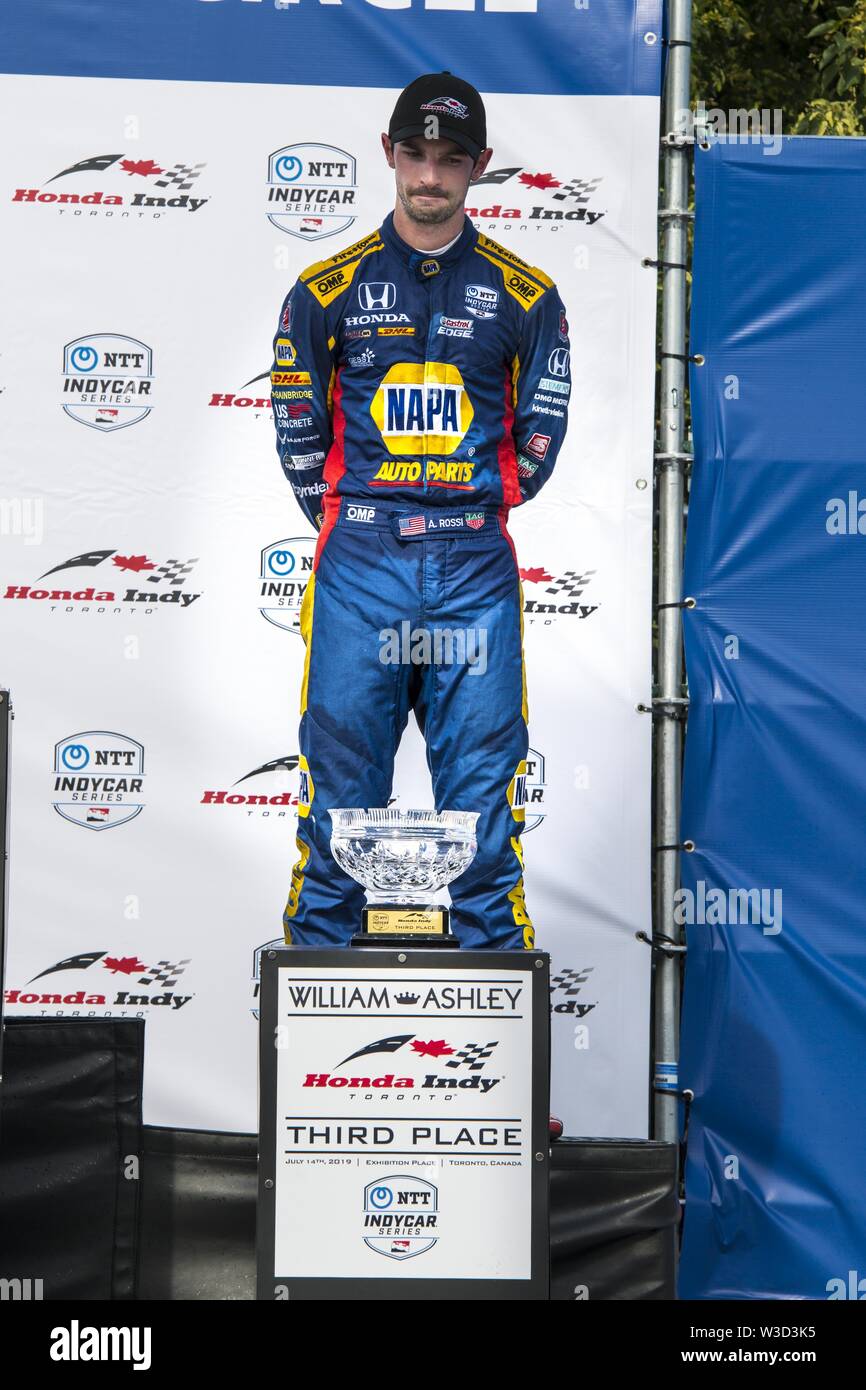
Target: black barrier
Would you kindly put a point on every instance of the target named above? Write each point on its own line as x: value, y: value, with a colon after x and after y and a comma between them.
x: 69, y: 1159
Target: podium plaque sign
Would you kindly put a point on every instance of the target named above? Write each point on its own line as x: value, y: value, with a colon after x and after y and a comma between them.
x: 404, y: 1145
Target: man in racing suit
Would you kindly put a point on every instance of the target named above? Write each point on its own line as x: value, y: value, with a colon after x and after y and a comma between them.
x: 420, y: 389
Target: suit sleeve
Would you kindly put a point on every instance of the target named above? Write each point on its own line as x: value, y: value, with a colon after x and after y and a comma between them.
x: 302, y: 377
x: 542, y: 387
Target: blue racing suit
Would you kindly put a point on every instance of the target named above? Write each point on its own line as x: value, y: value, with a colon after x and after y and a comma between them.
x: 416, y: 399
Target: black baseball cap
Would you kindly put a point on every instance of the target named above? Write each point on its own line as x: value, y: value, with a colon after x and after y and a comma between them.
x: 456, y: 105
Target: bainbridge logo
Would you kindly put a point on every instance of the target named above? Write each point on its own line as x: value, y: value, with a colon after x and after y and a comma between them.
x: 77, y: 1343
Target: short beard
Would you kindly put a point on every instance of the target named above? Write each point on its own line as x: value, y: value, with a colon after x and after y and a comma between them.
x: 430, y: 217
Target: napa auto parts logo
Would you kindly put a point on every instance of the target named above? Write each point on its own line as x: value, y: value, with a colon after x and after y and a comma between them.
x: 107, y: 381
x: 157, y: 586
x: 311, y: 190
x: 519, y: 195
x: 98, y: 779
x: 274, y: 794
x: 144, y: 987
x: 286, y: 567
x: 401, y: 1215
x: 548, y: 597
x: 125, y: 187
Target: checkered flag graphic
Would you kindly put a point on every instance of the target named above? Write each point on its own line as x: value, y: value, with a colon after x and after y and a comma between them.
x: 181, y: 176
x: 570, y: 583
x: 173, y: 571
x: 472, y: 1056
x: 569, y: 981
x: 578, y: 190
x: 164, y: 973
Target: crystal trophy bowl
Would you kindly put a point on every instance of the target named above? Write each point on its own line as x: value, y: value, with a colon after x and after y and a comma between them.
x: 402, y: 858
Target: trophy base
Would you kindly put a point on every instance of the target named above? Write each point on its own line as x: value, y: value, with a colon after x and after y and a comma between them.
x: 401, y: 924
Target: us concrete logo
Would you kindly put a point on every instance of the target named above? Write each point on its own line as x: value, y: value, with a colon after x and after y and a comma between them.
x: 286, y: 567
x: 107, y: 381
x: 311, y: 190
x: 98, y: 779
x: 401, y: 1216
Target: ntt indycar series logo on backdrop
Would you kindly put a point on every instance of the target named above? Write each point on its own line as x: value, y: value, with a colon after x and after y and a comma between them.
x: 286, y: 567
x: 311, y: 190
x: 107, y: 380
x: 121, y: 186
x: 157, y: 585
x: 98, y: 779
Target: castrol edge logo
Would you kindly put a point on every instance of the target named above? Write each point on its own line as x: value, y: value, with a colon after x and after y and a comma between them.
x: 422, y: 408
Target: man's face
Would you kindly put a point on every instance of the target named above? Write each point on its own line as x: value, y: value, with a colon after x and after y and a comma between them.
x: 432, y: 176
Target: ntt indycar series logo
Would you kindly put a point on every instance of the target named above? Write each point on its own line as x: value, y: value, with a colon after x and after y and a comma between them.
x: 98, y: 779
x: 286, y: 567
x: 311, y: 190
x: 107, y: 381
x: 401, y: 1215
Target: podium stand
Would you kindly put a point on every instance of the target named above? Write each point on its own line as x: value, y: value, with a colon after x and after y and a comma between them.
x: 403, y: 1124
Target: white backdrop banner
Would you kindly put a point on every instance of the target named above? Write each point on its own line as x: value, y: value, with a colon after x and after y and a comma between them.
x: 153, y: 556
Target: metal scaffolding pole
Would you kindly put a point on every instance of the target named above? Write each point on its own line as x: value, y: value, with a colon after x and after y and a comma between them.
x: 669, y: 703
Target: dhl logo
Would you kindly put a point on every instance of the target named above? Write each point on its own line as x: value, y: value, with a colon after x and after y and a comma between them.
x: 290, y: 378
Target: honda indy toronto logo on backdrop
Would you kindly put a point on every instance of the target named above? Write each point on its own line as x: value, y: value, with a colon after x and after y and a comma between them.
x: 276, y: 794
x: 119, y: 186
x: 107, y: 380
x: 157, y: 586
x: 144, y: 987
x: 401, y: 1215
x: 286, y: 567
x: 531, y: 197
x: 548, y: 597
x: 98, y: 779
x: 311, y: 190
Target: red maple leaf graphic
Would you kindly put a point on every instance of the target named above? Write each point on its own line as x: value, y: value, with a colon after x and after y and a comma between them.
x: 539, y: 181
x: 145, y: 167
x: 536, y: 575
x: 439, y: 1048
x: 124, y: 965
x: 133, y: 562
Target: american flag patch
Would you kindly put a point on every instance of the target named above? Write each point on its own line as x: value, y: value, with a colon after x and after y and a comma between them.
x: 411, y: 525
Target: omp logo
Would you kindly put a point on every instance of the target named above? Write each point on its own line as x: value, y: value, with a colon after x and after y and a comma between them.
x: 377, y: 294
x: 334, y: 280
x: 522, y: 289
x: 422, y: 408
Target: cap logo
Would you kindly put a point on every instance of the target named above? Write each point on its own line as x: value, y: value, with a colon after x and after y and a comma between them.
x: 447, y: 106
